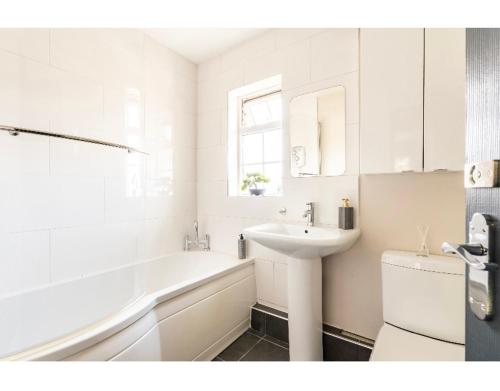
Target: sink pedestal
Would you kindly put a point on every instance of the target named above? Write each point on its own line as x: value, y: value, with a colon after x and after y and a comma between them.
x: 305, y: 309
x: 304, y: 246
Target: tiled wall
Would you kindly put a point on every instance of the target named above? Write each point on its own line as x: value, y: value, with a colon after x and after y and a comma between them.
x: 308, y: 60
x: 70, y: 208
x: 388, y: 209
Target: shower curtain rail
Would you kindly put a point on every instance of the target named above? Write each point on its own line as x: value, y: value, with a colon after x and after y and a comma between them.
x: 15, y: 131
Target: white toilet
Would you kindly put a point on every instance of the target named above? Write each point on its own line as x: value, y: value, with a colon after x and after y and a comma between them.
x: 424, y: 308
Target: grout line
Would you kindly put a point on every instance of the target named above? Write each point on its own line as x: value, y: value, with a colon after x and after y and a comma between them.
x: 423, y: 103
x: 274, y: 343
x: 249, y: 350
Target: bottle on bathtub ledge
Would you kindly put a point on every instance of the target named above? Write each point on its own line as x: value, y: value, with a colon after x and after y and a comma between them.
x: 242, y: 247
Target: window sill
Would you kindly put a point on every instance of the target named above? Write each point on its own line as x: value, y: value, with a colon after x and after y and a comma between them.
x: 251, y: 196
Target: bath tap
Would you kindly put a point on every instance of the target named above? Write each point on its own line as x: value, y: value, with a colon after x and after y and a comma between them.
x: 309, y: 214
x: 203, y: 244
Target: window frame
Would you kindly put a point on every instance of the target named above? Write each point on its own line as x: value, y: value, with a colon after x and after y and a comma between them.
x: 257, y: 129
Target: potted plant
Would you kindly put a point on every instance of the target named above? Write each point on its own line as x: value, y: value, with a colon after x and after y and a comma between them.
x: 250, y: 182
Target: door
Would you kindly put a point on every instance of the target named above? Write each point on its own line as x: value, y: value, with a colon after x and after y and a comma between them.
x: 483, y: 143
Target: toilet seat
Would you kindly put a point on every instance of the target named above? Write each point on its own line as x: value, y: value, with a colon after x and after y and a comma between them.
x: 395, y: 344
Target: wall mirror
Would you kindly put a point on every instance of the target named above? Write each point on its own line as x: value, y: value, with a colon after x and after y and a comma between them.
x: 317, y: 133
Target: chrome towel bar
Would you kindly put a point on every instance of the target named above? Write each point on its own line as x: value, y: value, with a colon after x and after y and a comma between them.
x: 14, y: 131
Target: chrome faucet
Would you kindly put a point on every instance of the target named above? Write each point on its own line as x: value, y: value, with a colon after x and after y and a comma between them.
x: 203, y: 244
x: 309, y: 214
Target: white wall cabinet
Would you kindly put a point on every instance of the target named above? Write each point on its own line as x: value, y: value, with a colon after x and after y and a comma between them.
x: 391, y: 83
x: 412, y: 86
x: 444, y: 103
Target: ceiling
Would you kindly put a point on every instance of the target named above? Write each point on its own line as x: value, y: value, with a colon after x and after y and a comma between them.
x: 199, y: 45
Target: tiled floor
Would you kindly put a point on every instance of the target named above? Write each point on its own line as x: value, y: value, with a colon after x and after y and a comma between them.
x: 253, y: 347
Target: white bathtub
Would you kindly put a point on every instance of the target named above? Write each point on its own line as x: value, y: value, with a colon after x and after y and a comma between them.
x: 186, y: 306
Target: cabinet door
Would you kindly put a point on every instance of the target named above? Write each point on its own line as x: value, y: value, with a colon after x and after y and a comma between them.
x: 391, y: 82
x: 444, y: 103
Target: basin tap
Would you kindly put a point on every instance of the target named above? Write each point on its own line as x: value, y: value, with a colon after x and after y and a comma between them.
x: 309, y: 214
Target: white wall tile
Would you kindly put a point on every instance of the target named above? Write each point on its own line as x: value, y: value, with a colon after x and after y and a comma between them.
x: 72, y: 256
x: 184, y: 164
x: 295, y: 62
x: 308, y: 60
x: 168, y: 199
x: 40, y: 202
x: 31, y: 43
x: 352, y: 149
x: 78, y: 51
x: 27, y: 96
x: 212, y: 163
x: 260, y: 68
x: 79, y: 107
x: 286, y: 37
x: 123, y: 116
x: 210, y: 128
x: 74, y: 158
x: 210, y: 69
x: 25, y: 260
x: 124, y: 199
x: 76, y: 201
x: 211, y: 95
x: 213, y: 197
x: 259, y: 46
x: 264, y: 275
x: 333, y: 53
x: 280, y: 284
x: 105, y: 207
x: 162, y: 236
x: 184, y: 129
x: 23, y: 154
x: 185, y: 90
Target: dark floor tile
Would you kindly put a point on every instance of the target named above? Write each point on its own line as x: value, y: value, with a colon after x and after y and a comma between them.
x: 336, y: 349
x: 217, y: 359
x: 266, y: 351
x: 258, y: 333
x: 277, y: 341
x: 239, y: 347
x: 364, y: 353
x: 258, y: 321
x: 277, y: 327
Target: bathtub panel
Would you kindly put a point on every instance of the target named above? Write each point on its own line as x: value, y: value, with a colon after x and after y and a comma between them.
x: 126, y: 338
x: 148, y: 348
x: 188, y: 333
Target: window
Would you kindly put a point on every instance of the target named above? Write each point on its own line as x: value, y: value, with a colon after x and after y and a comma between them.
x: 256, y: 136
x: 261, y: 139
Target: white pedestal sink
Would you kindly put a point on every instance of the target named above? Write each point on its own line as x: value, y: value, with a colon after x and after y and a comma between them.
x: 305, y: 246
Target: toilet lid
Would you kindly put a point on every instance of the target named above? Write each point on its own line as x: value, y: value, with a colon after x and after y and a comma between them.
x: 395, y: 344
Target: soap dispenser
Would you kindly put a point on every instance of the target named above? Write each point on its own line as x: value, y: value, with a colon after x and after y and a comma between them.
x: 346, y: 215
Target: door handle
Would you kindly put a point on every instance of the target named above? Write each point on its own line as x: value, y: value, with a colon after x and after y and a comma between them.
x: 469, y: 253
x: 478, y: 255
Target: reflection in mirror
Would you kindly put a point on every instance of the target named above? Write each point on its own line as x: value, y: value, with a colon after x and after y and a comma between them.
x: 317, y: 133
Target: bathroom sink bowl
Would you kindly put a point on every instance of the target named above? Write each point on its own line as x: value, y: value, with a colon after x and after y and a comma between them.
x: 305, y: 246
x: 302, y: 242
